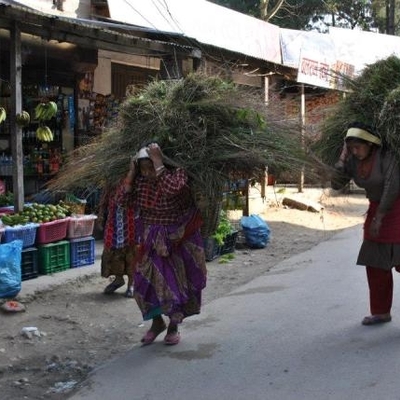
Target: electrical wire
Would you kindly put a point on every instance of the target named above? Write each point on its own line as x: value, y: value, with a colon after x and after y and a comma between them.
x: 189, y: 41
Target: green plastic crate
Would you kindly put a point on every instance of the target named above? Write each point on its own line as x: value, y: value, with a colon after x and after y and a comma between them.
x: 54, y: 257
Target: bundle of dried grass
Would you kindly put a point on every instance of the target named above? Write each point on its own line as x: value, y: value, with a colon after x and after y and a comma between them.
x: 389, y: 121
x: 212, y: 128
x: 371, y: 100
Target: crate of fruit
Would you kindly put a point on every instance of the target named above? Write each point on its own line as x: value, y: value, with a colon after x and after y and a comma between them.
x: 53, y: 231
x: 80, y: 226
x: 27, y: 233
x: 74, y: 204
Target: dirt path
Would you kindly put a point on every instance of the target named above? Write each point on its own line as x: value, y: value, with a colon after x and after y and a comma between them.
x: 81, y: 328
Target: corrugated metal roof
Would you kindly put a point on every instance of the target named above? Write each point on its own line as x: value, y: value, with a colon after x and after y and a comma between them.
x: 193, y: 22
x: 205, y: 22
x: 112, y: 29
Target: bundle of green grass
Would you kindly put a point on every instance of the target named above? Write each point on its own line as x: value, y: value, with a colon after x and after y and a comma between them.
x: 212, y: 128
x: 373, y: 98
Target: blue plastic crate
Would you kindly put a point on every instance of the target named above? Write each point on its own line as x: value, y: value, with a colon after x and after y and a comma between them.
x: 82, y: 251
x: 26, y: 233
x: 29, y: 263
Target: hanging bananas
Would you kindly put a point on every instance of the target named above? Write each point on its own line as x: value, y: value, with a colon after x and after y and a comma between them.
x: 45, y: 111
x: 23, y: 119
x: 3, y: 114
x: 44, y: 134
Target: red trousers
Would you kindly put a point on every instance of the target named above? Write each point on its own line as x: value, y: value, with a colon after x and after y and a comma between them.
x: 380, y: 284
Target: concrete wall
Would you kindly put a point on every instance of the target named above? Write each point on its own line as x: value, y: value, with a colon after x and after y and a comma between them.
x: 102, y: 74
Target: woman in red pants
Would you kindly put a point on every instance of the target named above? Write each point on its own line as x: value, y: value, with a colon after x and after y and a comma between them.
x: 374, y: 168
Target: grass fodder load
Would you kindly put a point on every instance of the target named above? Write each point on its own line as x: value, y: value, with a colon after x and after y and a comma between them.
x: 213, y: 128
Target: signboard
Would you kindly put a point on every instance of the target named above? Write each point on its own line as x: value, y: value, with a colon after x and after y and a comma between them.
x: 324, y: 73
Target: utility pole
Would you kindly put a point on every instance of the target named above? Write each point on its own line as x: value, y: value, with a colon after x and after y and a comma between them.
x: 303, y: 124
x: 16, y: 108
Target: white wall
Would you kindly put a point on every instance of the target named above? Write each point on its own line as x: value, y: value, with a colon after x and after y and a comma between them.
x: 71, y: 8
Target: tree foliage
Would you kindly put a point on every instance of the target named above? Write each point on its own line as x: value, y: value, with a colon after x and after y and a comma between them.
x: 386, y: 15
x: 320, y: 15
x: 292, y: 14
x: 346, y: 14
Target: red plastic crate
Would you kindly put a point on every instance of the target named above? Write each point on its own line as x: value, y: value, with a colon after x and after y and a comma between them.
x: 7, y: 210
x: 80, y: 226
x: 49, y: 232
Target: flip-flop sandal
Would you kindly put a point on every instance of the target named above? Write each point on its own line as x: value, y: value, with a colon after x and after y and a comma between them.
x: 151, y: 336
x: 375, y: 320
x: 172, y: 338
x: 12, y: 306
x: 113, y: 286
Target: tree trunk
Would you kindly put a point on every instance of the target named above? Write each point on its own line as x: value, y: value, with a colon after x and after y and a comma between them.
x: 264, y: 9
x: 390, y: 16
x: 267, y: 15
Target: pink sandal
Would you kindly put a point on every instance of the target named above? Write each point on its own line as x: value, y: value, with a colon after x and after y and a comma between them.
x: 150, y: 336
x: 172, y: 338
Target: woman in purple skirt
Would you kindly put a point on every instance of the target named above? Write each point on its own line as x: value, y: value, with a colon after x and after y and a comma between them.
x: 171, y: 268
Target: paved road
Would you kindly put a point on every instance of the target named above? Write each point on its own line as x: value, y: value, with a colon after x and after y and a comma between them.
x: 294, y: 333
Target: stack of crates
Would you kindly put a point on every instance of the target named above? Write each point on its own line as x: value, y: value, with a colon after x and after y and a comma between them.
x: 54, y: 246
x: 29, y: 256
x: 53, y: 249
x: 82, y: 243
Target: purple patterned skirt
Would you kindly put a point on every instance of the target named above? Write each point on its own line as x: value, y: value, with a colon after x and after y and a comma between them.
x: 171, y: 271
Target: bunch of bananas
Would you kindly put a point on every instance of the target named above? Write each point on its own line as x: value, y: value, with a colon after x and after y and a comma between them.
x: 44, y: 134
x: 45, y: 111
x: 3, y: 114
x: 14, y: 219
x: 23, y: 119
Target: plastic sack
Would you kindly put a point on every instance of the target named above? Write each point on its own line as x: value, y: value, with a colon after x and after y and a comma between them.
x: 10, y: 268
x: 256, y: 231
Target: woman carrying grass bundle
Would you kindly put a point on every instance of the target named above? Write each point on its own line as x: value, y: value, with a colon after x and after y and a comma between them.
x: 374, y: 168
x: 171, y: 269
x: 119, y: 250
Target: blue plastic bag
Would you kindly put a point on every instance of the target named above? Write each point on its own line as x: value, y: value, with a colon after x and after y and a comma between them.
x: 256, y: 231
x: 10, y: 268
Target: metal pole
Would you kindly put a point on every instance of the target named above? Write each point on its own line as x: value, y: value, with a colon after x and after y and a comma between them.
x: 303, y: 123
